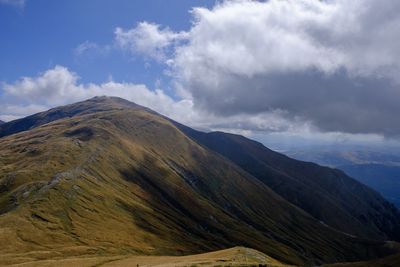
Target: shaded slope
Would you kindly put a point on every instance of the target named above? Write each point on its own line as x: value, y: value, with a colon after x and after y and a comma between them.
x: 122, y: 179
x: 390, y: 261
x: 378, y: 168
x: 1, y: 122
x: 327, y: 194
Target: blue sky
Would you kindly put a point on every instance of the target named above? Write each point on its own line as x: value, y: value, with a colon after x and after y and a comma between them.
x: 42, y: 34
x: 303, y: 70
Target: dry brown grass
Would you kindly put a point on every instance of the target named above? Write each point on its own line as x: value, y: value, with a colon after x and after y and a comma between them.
x: 238, y: 256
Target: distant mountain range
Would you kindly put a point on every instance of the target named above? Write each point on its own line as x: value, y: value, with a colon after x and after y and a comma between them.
x: 107, y: 176
x: 377, y: 169
x: 1, y: 122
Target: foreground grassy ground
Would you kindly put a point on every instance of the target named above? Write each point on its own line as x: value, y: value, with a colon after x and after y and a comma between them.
x: 237, y: 256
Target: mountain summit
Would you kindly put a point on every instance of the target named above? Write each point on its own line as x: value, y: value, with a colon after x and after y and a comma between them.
x: 109, y: 176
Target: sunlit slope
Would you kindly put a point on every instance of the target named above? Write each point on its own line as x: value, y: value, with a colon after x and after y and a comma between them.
x: 126, y: 180
x: 237, y: 256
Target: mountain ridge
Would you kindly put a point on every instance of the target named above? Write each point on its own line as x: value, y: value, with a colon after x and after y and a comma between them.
x: 95, y: 104
x: 104, y: 179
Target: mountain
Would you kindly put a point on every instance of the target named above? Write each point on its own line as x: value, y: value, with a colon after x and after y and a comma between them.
x: 1, y: 122
x: 109, y: 177
x: 378, y: 169
x: 327, y: 194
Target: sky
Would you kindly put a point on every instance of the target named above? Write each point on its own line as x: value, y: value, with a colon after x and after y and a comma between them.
x: 279, y: 71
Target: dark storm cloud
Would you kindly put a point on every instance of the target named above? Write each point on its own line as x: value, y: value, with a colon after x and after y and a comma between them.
x: 334, y: 64
x: 336, y: 102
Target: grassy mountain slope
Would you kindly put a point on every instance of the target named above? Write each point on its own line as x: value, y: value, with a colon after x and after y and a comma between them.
x: 109, y: 177
x: 327, y: 194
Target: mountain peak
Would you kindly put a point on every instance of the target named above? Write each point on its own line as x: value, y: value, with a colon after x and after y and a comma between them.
x: 105, y: 98
x: 92, y: 105
x: 108, y: 101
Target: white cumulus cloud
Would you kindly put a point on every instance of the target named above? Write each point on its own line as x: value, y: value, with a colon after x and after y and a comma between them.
x: 148, y: 39
x: 59, y: 86
x: 331, y: 64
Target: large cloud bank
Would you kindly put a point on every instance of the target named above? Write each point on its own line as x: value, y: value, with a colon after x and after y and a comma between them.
x: 332, y: 64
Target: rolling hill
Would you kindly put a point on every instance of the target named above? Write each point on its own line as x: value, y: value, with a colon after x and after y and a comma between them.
x: 108, y: 177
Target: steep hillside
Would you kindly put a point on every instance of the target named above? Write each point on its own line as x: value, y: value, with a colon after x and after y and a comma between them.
x: 378, y: 168
x: 106, y: 176
x: 327, y: 194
